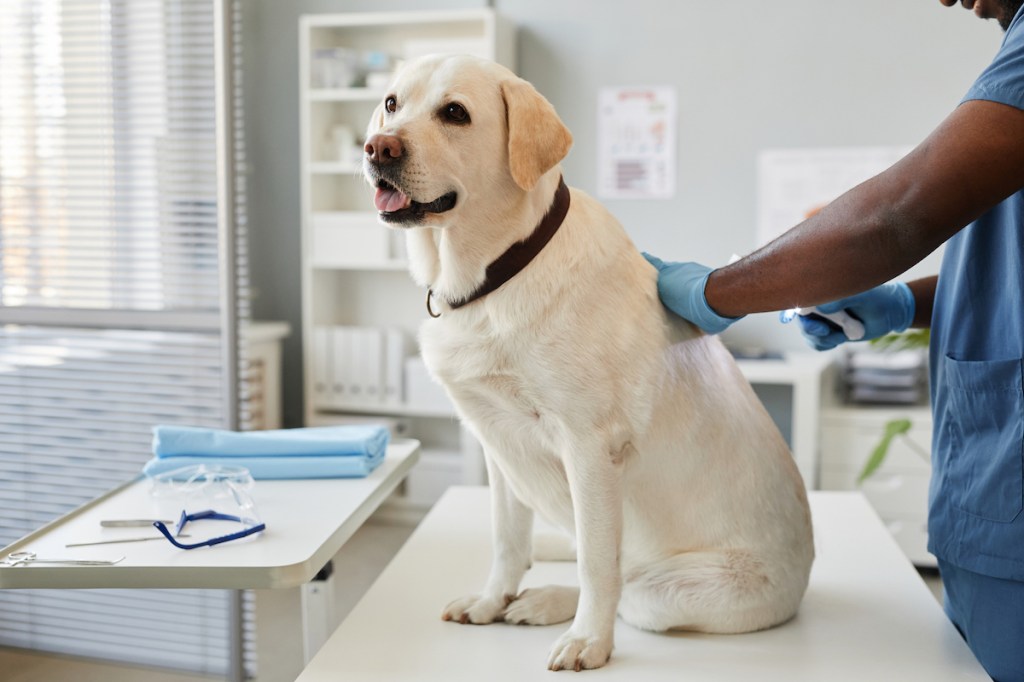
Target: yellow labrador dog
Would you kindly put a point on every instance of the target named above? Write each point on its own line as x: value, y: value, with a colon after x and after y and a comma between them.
x: 626, y: 426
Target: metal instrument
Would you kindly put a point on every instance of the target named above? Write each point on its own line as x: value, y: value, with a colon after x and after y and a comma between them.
x: 117, y: 542
x: 25, y: 558
x: 130, y: 523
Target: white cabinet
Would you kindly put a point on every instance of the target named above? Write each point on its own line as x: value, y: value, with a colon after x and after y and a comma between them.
x: 262, y: 378
x: 360, y: 307
x: 898, y: 490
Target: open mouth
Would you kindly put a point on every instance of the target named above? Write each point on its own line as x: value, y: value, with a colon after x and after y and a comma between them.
x: 397, y: 207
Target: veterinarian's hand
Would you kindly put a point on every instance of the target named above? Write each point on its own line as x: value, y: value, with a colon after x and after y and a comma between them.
x: 681, y: 288
x: 886, y: 308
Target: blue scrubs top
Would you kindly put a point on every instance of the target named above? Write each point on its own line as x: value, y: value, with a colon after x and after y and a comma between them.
x: 976, y: 499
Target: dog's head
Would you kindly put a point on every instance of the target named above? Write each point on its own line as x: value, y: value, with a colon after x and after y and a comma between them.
x: 453, y: 131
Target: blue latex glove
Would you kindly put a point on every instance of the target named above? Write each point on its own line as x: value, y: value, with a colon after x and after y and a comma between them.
x: 681, y: 289
x: 886, y: 308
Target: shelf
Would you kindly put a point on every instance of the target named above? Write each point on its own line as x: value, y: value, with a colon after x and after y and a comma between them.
x: 383, y: 266
x: 354, y: 240
x: 416, y: 19
x: 345, y: 94
x: 787, y: 370
x: 391, y: 410
x: 336, y: 168
x: 878, y: 415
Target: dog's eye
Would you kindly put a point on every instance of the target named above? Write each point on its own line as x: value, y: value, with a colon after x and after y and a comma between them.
x: 390, y: 104
x: 456, y: 113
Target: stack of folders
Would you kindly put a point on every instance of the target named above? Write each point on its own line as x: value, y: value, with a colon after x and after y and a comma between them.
x: 887, y: 377
x: 359, y: 367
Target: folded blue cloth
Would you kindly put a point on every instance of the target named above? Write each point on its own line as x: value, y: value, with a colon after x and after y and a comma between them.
x: 320, y: 452
x: 276, y: 468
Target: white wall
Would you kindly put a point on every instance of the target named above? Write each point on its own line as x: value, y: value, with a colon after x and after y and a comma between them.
x: 750, y: 74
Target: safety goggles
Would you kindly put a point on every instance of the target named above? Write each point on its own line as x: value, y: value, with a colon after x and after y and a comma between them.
x: 251, y: 526
x: 222, y: 491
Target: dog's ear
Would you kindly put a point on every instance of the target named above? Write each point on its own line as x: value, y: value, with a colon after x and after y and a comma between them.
x: 537, y: 138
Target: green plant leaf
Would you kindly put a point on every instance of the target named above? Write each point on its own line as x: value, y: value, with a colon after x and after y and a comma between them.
x: 894, y: 428
x: 894, y: 341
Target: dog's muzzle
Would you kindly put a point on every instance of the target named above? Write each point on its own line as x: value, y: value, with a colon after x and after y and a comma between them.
x: 383, y: 162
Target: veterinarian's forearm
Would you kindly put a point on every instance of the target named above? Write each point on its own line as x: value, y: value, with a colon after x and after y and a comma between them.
x: 880, y: 228
x: 924, y: 300
x: 837, y: 253
x: 851, y: 245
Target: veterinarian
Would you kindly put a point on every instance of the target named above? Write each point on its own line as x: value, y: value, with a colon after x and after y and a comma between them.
x: 963, y: 186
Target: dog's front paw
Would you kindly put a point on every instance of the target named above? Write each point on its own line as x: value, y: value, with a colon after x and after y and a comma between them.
x: 476, y: 609
x: 543, y: 605
x: 577, y: 651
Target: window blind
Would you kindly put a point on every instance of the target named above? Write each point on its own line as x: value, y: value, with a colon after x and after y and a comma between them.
x: 112, y: 295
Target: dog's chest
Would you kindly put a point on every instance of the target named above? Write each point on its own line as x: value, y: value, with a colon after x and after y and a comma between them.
x: 508, y: 391
x: 502, y: 383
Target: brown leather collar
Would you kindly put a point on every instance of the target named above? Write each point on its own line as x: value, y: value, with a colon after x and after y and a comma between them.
x: 519, y: 255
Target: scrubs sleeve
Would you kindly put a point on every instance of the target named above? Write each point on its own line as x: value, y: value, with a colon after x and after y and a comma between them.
x: 1003, y: 80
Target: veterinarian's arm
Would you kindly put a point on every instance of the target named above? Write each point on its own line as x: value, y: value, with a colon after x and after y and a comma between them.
x: 924, y: 300
x: 880, y: 228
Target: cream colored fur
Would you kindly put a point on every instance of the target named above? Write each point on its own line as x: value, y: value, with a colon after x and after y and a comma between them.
x: 596, y: 408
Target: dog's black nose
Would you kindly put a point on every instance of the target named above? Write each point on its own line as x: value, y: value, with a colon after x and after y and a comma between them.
x: 383, y: 149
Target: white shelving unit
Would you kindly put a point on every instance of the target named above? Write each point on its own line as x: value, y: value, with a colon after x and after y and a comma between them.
x: 353, y: 270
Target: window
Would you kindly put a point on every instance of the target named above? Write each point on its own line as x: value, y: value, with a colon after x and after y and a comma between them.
x: 112, y: 294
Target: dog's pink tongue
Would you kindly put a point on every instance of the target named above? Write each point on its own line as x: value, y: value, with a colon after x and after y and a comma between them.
x: 389, y: 200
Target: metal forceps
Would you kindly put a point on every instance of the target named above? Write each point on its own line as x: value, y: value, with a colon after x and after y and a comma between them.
x: 24, y: 558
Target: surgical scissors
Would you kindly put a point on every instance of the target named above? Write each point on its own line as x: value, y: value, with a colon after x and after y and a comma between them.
x: 23, y: 558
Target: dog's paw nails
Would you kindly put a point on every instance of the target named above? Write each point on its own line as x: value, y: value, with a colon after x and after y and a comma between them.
x: 475, y: 609
x: 579, y: 652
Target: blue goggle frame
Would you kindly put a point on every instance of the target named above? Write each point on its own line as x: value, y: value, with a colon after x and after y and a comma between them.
x: 208, y: 514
